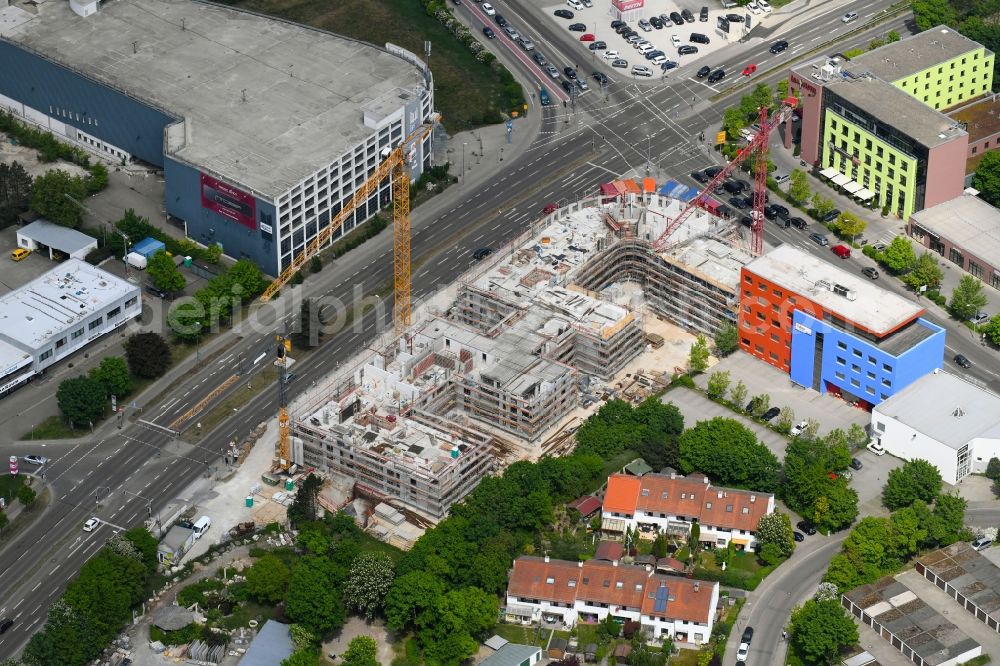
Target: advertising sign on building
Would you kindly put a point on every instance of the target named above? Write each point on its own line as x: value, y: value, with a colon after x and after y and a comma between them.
x: 228, y: 201
x: 628, y: 5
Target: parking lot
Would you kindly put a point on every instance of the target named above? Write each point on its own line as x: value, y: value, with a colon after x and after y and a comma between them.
x: 592, y: 25
x: 14, y: 274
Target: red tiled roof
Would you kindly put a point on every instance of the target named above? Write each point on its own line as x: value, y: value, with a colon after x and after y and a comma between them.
x: 689, y: 496
x: 603, y: 582
x: 687, y: 599
x: 531, y: 575
x: 609, y: 551
x: 670, y: 563
x: 622, y: 493
x: 586, y: 505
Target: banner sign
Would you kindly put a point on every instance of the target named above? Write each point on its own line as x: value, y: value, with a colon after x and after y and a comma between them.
x: 228, y: 201
x: 628, y: 5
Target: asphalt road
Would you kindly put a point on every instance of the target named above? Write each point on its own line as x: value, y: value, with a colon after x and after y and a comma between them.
x: 128, y: 474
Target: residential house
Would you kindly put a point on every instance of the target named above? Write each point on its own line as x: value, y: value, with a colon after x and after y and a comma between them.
x: 672, y: 503
x: 558, y: 591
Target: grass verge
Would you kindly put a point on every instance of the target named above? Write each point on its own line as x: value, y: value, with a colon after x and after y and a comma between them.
x: 236, y: 399
x: 54, y: 427
x: 467, y: 92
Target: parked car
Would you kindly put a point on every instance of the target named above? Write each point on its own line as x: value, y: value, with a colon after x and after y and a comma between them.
x: 488, y: 9
x: 699, y: 38
x: 35, y: 459
x: 869, y: 273
x: 641, y: 70
x: 687, y: 16
x: 597, y: 46
x: 806, y: 527
x: 620, y: 63
x: 876, y: 447
x: 668, y: 65
x: 19, y: 253
x: 754, y: 9
x: 798, y: 222
x: 656, y: 22
x: 831, y: 216
x: 687, y: 49
x: 577, y: 27
x: 713, y: 171
x: 962, y: 362
x: 779, y: 46
x: 703, y: 15
x: 676, y: 18
x: 819, y: 238
x: 587, y: 37
x: 575, y: 4
x: 979, y: 318
x: 700, y: 177
x: 740, y: 203
x: 747, y: 635
x: 735, y: 18
x: 703, y: 72
x: 771, y: 413
x: 675, y: 41
x: 751, y: 406
x: 798, y: 536
x: 610, y: 55
x: 799, y: 428
x: 982, y: 543
x: 645, y: 25
x: 564, y: 13
x: 742, y: 651
x: 856, y: 464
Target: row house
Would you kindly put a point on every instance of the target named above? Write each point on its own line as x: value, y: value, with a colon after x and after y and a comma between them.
x: 672, y: 503
x: 559, y: 591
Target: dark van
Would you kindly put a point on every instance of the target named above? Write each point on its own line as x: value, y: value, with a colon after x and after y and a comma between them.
x: 698, y: 38
x: 543, y: 97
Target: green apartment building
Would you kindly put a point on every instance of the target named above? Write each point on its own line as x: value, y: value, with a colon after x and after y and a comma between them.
x: 875, y: 124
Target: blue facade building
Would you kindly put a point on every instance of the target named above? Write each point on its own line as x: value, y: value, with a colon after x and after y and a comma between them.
x: 828, y: 358
x: 260, y: 138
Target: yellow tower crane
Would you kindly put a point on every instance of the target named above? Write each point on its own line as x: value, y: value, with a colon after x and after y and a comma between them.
x: 394, y: 166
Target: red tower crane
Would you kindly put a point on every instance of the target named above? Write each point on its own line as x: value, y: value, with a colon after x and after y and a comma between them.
x: 759, y: 145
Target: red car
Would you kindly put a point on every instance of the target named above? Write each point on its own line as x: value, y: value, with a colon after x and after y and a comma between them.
x: 549, y: 208
x: 587, y: 37
x: 842, y: 251
x: 749, y: 69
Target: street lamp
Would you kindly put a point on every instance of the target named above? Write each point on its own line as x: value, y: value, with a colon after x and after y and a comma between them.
x: 197, y: 349
x: 464, y: 144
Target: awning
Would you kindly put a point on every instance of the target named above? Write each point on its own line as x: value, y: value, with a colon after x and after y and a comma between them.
x: 520, y: 611
x: 852, y: 187
x: 648, y: 185
x: 613, y: 525
x: 864, y: 195
x: 631, y: 187
x: 740, y: 542
x: 829, y: 172
x: 608, y: 189
x: 840, y: 179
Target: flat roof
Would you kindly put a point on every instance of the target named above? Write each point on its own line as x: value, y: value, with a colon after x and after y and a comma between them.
x: 52, y: 303
x: 305, y: 88
x: 864, y: 304
x: 946, y: 408
x: 711, y: 260
x: 910, y: 619
x: 890, y: 105
x: 968, y: 222
x: 970, y: 572
x: 57, y: 236
x: 898, y: 60
x: 982, y: 118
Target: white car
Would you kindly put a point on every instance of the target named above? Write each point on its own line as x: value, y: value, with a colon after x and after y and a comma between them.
x: 659, y: 60
x: 488, y: 8
x: 982, y: 543
x: 91, y: 524
x: 641, y: 70
x: 742, y: 651
x: 611, y: 55
x: 799, y: 428
x: 587, y: 3
x: 644, y: 48
x: 35, y: 460
x: 876, y: 447
x: 763, y: 5
x: 575, y: 4
x: 755, y: 9
x: 675, y: 41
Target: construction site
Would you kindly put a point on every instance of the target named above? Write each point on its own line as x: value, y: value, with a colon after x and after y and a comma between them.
x: 504, y: 363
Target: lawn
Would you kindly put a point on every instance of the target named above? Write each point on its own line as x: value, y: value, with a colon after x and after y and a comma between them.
x: 466, y: 92
x: 516, y: 633
x: 743, y: 571
x: 54, y: 427
x: 9, y: 485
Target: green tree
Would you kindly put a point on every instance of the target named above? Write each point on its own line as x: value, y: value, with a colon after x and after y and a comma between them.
x: 733, y: 121
x: 820, y: 630
x: 798, y: 186
x: 370, y: 581
x: 729, y: 454
x: 926, y: 273
x: 718, y: 384
x: 821, y: 206
x: 948, y: 519
x: 361, y: 651
x: 68, y: 638
x: 306, y: 506
x: 762, y: 96
x: 967, y: 298
x: 413, y: 600
x: 931, y: 13
x: 105, y: 590
x: 993, y: 468
x: 314, y: 598
x: 58, y: 197
x: 892, y: 36
x: 761, y: 403
x: 247, y: 275
x: 857, y: 436
x: 81, y: 400
x: 781, y: 90
x: 992, y: 329
x: 147, y: 355
x: 26, y: 496
x: 738, y: 394
x: 786, y: 419
x: 698, y: 356
x: 727, y: 340
x: 164, y: 274
x: 916, y: 480
x: 849, y: 225
x: 304, y: 656
x: 267, y: 579
x: 899, y: 256
x: 15, y: 192
x: 776, y: 529
x: 145, y: 545
x: 113, y: 376
x: 315, y: 264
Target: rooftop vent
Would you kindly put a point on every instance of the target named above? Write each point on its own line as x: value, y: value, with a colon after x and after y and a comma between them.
x: 958, y: 413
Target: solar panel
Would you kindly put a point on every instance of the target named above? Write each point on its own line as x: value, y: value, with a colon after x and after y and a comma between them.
x: 660, y: 602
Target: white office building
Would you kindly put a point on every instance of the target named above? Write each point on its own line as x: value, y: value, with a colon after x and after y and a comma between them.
x: 944, y: 419
x: 57, y: 314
